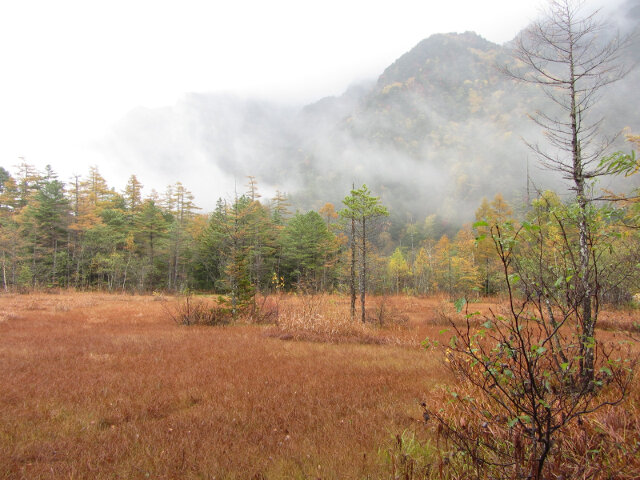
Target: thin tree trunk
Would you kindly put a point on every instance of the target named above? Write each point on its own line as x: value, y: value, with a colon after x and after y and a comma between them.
x: 126, y: 269
x: 584, y: 293
x: 353, y: 269
x: 14, y: 266
x: 79, y: 257
x: 486, y: 290
x: 33, y: 263
x: 4, y: 272
x: 55, y: 261
x: 363, y: 272
x: 151, y: 261
x: 67, y: 265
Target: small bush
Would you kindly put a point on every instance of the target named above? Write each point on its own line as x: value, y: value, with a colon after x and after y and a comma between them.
x: 193, y: 311
x: 319, y: 318
x: 383, y: 315
x: 265, y: 310
x: 408, y: 458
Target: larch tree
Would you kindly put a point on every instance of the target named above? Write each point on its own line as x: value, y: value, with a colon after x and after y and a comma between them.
x: 27, y: 179
x: 279, y: 208
x: 496, y: 212
x: 566, y: 54
x: 133, y: 194
x: 328, y: 212
x: 422, y: 269
x: 398, y: 269
x: 95, y: 188
x: 183, y: 209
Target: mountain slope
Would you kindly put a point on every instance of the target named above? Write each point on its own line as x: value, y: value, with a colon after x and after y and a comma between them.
x: 439, y: 129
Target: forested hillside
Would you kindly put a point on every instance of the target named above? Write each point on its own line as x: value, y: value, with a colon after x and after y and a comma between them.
x: 440, y: 129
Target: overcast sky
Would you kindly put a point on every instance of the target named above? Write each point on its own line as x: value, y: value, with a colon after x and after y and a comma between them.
x: 71, y: 69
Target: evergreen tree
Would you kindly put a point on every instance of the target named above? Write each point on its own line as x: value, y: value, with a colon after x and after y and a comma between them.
x: 361, y: 207
x: 151, y: 226
x: 51, y: 215
x: 309, y: 251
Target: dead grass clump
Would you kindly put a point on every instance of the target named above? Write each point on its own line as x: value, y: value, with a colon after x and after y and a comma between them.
x: 385, y: 313
x: 190, y: 310
x: 265, y: 310
x: 446, y: 316
x: 321, y: 318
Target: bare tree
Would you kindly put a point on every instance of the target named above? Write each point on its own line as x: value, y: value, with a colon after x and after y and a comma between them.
x: 566, y: 55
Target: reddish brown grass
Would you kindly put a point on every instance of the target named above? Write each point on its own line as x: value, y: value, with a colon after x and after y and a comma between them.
x: 107, y: 386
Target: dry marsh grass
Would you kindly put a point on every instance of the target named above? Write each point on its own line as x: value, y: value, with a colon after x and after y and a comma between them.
x: 97, y: 386
x: 320, y: 318
x: 392, y: 320
x: 106, y: 386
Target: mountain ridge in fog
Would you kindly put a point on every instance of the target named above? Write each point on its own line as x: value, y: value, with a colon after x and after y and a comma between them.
x: 438, y: 130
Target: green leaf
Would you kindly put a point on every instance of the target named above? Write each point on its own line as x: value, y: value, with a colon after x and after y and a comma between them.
x: 427, y: 343
x: 459, y: 304
x: 537, y: 349
x: 621, y: 163
x: 481, y: 223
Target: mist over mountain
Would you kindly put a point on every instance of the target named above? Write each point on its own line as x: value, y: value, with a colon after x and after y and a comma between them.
x: 439, y: 129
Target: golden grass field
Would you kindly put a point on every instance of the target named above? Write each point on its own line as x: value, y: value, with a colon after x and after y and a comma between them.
x: 108, y: 386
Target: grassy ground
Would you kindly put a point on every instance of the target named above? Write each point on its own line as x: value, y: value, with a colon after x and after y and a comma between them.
x: 105, y: 386
x: 108, y: 386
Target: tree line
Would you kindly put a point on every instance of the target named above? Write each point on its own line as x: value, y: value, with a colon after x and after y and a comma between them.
x: 84, y: 234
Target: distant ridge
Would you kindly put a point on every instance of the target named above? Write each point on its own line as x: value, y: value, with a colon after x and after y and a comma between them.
x: 437, y: 131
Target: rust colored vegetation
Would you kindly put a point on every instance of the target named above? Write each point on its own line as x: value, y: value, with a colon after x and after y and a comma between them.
x: 109, y: 386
